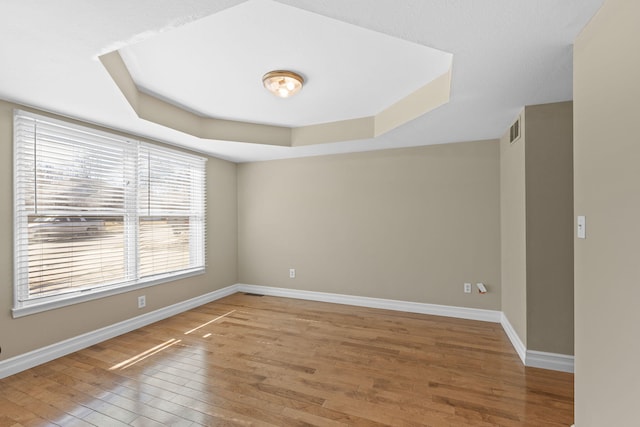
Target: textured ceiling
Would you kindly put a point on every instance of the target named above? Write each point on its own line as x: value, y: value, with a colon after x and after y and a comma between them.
x: 506, y: 54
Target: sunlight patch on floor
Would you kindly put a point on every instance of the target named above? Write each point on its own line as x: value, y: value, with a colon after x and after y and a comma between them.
x: 209, y: 322
x: 145, y: 354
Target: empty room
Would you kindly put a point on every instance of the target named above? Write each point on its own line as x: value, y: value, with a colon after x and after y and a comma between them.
x: 336, y: 213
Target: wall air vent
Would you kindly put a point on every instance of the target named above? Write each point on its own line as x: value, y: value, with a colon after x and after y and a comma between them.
x: 514, y: 132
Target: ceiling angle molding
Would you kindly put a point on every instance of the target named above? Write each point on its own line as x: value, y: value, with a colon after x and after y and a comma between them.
x: 148, y: 107
x: 153, y: 109
x: 427, y: 98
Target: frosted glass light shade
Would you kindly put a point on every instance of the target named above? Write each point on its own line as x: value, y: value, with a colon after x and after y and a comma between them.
x: 282, y: 83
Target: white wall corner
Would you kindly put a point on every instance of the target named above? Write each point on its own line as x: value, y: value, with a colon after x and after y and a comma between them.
x: 45, y: 354
x: 536, y: 359
x: 517, y: 343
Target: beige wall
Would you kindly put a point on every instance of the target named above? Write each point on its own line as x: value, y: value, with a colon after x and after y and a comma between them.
x: 549, y: 218
x: 23, y: 334
x: 607, y: 192
x: 407, y: 224
x: 536, y: 190
x: 513, y: 233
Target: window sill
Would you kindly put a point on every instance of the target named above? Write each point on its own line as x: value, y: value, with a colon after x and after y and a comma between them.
x: 33, y: 307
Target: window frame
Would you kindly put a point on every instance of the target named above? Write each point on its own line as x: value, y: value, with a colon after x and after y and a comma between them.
x: 40, y: 304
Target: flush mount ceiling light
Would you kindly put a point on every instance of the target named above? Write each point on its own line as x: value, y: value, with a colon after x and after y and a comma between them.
x: 282, y: 83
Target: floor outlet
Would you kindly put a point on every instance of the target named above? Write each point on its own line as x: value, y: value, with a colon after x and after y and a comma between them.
x: 142, y: 301
x: 467, y: 288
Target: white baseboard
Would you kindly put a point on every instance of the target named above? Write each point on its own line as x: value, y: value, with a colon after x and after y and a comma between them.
x: 553, y: 361
x: 36, y: 357
x: 45, y: 354
x: 537, y: 359
x: 387, y: 304
x: 516, y: 342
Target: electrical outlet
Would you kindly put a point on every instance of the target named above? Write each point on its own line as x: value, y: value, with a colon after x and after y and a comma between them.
x: 292, y: 273
x: 467, y: 288
x: 142, y: 301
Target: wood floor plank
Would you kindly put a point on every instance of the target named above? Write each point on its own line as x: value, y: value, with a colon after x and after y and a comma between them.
x: 249, y: 360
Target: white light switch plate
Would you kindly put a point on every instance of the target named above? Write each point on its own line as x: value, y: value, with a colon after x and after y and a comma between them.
x: 582, y: 227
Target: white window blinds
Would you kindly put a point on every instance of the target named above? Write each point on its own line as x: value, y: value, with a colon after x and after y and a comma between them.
x: 96, y: 211
x: 170, y: 211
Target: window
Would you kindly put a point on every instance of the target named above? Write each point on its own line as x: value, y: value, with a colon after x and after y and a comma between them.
x: 96, y: 212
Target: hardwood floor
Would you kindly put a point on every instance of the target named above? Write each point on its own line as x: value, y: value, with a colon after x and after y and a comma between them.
x: 258, y: 360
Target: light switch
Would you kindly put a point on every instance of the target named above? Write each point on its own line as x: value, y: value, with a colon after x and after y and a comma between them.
x: 582, y: 227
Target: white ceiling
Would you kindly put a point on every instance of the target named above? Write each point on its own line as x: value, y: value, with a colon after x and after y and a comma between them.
x: 214, y: 66
x: 506, y: 54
